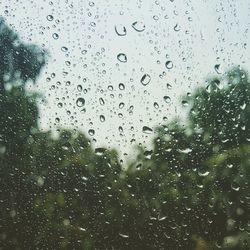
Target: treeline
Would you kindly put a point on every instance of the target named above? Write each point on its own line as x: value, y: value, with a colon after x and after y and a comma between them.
x: 190, y: 192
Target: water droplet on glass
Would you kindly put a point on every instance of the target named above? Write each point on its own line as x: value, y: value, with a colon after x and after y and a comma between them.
x: 50, y: 18
x: 100, y: 151
x: 120, y: 30
x: 80, y: 102
x: 138, y: 26
x: 243, y: 106
x: 91, y: 132
x: 169, y: 86
x: 79, y: 87
x: 102, y: 118
x: 217, y: 68
x: 148, y: 154
x: 101, y: 101
x: 147, y: 130
x: 121, y: 86
x: 145, y: 80
x: 177, y: 27
x: 64, y: 49
x: 203, y: 174
x: 59, y: 105
x: 84, y: 52
x: 55, y: 36
x: 121, y: 105
x: 184, y: 103
x: 167, y: 99
x: 169, y: 64
x: 123, y: 235
x: 155, y: 17
x: 235, y: 186
x: 156, y: 105
x: 122, y: 57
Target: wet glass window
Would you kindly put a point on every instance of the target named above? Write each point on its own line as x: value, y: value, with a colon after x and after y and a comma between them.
x: 124, y: 124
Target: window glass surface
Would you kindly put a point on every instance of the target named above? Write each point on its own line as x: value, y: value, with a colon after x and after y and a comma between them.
x: 124, y: 124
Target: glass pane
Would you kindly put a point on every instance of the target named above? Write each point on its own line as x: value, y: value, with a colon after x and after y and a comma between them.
x: 124, y: 124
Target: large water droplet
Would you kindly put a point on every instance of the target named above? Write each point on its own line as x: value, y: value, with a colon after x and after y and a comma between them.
x: 147, y: 130
x: 156, y: 105
x: 204, y: 174
x: 79, y: 87
x: 55, y: 36
x: 120, y: 30
x: 102, y: 118
x: 50, y: 18
x: 64, y: 49
x: 167, y: 99
x: 91, y: 132
x: 80, y: 102
x: 123, y: 235
x: 217, y: 68
x: 177, y: 27
x: 169, y: 64
x: 121, y: 86
x: 122, y: 57
x: 138, y: 26
x: 101, y: 101
x: 145, y: 80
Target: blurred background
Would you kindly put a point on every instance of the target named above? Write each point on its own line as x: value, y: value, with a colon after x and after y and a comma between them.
x: 124, y: 125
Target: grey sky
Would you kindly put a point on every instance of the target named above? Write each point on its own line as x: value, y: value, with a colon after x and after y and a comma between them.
x: 195, y: 35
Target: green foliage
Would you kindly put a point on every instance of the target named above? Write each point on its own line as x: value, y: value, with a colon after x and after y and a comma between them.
x: 190, y: 192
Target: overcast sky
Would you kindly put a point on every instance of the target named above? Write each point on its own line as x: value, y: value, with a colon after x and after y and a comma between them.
x: 192, y: 36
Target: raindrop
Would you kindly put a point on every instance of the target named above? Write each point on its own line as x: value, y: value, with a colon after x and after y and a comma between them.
x: 123, y: 235
x: 79, y: 88
x: 100, y: 151
x: 156, y: 18
x: 235, y: 186
x: 122, y: 57
x: 138, y: 26
x: 84, y: 52
x: 80, y: 102
x: 185, y: 151
x: 184, y: 103
x: 55, y: 36
x: 148, y: 154
x: 50, y: 18
x: 167, y: 99
x: 177, y: 27
x: 156, y: 105
x: 91, y: 132
x: 121, y: 86
x: 169, y: 64
x: 59, y: 105
x: 203, y: 174
x: 102, y: 118
x: 243, y: 106
x: 64, y: 49
x: 217, y: 68
x: 120, y: 30
x: 101, y: 101
x: 145, y: 80
x: 147, y: 130
x: 169, y: 86
x: 121, y: 105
